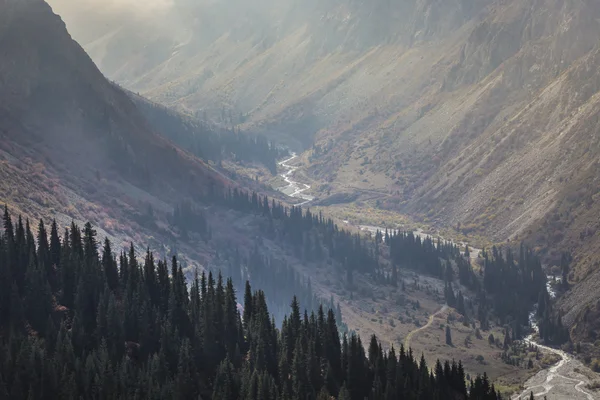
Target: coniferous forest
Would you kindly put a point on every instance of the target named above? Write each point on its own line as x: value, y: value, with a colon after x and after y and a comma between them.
x: 506, y: 288
x: 209, y: 142
x: 80, y: 320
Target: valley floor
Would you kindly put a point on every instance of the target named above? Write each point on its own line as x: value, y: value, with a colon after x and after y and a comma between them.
x: 567, y: 380
x: 416, y: 316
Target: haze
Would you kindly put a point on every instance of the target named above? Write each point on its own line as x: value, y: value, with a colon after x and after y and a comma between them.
x: 138, y: 6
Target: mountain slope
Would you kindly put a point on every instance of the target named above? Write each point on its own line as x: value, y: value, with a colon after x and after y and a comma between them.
x: 74, y: 144
x: 476, y: 115
x: 75, y: 147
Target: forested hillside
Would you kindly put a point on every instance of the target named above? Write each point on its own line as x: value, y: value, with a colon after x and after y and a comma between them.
x: 507, y: 289
x: 78, y: 324
x: 480, y: 116
x: 208, y: 141
x: 141, y: 302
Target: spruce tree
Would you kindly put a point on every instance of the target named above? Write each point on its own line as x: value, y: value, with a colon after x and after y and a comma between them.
x: 38, y: 297
x: 55, y: 246
x: 43, y: 252
x: 109, y: 265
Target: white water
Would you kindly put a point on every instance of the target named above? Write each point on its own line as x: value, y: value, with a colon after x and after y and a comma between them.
x: 293, y: 188
x: 559, y: 382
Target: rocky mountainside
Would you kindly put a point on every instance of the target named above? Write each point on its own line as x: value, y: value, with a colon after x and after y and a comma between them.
x: 76, y: 148
x: 477, y: 115
x: 73, y: 145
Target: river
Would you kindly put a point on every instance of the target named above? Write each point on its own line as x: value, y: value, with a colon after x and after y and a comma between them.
x: 562, y: 381
x: 297, y: 190
x: 293, y: 188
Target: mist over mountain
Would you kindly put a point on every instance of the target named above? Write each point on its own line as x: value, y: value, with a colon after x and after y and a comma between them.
x: 427, y: 170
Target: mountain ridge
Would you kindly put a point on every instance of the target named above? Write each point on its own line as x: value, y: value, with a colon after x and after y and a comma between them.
x: 73, y: 143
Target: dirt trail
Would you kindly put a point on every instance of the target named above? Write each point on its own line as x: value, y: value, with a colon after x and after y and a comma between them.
x: 429, y: 322
x: 560, y: 382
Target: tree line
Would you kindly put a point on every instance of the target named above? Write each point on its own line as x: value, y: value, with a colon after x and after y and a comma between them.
x: 274, y: 276
x: 209, y: 142
x: 507, y: 288
x: 78, y: 320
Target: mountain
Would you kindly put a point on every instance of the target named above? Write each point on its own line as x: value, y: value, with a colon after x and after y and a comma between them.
x: 73, y: 144
x: 208, y: 141
x: 475, y: 115
x: 75, y: 147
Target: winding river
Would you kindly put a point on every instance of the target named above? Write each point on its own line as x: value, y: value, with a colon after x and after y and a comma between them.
x: 293, y: 188
x: 559, y: 382
x: 562, y: 381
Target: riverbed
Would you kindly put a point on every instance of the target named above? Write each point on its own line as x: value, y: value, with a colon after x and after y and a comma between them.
x: 294, y: 189
x: 563, y: 381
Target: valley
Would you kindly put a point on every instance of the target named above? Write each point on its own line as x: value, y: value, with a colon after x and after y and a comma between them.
x: 567, y: 379
x: 406, y: 174
x: 475, y: 116
x: 563, y: 379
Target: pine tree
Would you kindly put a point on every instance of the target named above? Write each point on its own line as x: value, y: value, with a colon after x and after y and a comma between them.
x: 43, y: 252
x: 225, y: 386
x: 17, y: 314
x: 55, y: 246
x: 564, y: 264
x: 6, y: 282
x: 38, y: 297
x: 109, y: 265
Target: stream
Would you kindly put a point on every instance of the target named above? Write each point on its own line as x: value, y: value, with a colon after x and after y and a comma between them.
x: 562, y: 381
x: 559, y: 382
x: 293, y: 188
